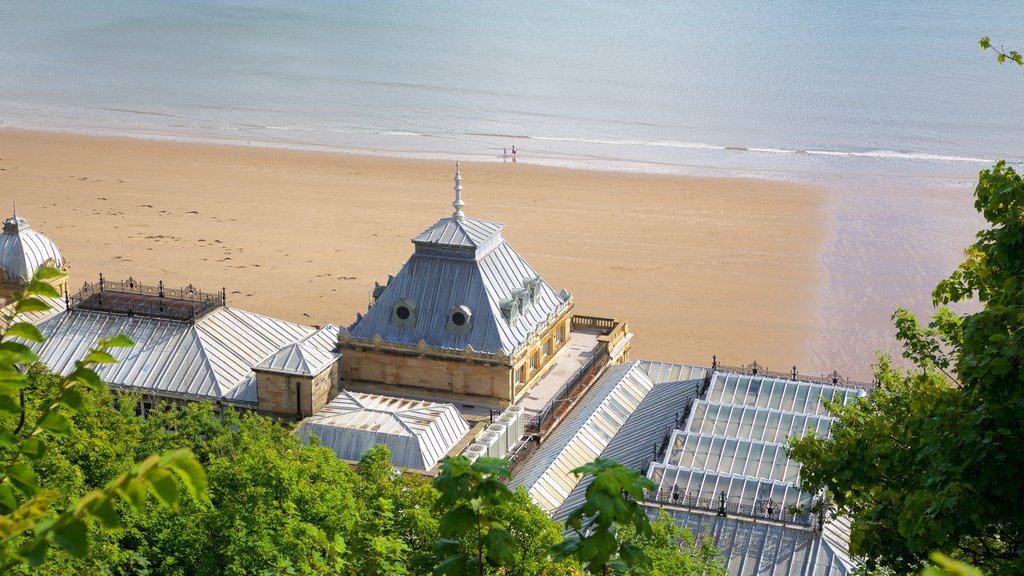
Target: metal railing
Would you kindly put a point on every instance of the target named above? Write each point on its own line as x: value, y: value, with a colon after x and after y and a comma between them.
x: 566, y: 394
x: 761, y: 509
x: 833, y: 379
x: 133, y: 298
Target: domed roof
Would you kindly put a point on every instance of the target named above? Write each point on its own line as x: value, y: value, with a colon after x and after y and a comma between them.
x: 23, y: 250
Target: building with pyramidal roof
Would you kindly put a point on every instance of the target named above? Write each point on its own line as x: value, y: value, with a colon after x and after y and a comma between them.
x: 465, y: 316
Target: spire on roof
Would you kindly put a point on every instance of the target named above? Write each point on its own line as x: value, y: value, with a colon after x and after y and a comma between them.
x: 15, y: 208
x: 458, y: 204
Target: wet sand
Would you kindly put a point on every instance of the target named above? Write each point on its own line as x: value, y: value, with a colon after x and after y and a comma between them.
x: 698, y: 266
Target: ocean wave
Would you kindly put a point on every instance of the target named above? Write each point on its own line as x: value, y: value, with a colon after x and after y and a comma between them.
x: 877, y: 154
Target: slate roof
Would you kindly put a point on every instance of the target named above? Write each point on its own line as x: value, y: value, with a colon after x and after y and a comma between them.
x: 23, y: 250
x: 418, y: 433
x: 461, y: 262
x: 211, y: 359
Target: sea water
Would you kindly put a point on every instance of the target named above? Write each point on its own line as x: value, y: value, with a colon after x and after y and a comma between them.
x: 684, y: 87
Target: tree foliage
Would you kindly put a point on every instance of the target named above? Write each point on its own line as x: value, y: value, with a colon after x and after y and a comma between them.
x: 932, y: 459
x: 35, y: 514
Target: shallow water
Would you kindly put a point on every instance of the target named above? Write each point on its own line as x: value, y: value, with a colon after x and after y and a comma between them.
x: 734, y: 86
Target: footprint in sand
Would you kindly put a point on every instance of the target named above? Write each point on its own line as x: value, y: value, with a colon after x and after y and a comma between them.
x: 192, y: 212
x: 145, y: 205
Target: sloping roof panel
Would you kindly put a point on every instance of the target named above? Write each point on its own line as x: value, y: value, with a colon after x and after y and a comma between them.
x: 206, y: 360
x: 633, y: 446
x: 418, y: 433
x: 583, y: 434
x: 437, y: 284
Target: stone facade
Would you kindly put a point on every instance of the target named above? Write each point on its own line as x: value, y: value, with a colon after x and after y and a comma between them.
x: 295, y: 395
x: 492, y: 378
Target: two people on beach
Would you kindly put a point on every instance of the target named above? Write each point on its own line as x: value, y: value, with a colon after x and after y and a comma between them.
x: 504, y: 153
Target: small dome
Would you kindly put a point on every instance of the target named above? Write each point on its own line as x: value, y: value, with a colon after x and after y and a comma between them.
x: 23, y: 250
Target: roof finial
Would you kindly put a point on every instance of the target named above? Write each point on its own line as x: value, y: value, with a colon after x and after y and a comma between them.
x: 15, y: 208
x: 458, y: 204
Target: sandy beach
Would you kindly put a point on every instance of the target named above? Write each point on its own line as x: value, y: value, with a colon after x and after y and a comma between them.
x: 698, y: 266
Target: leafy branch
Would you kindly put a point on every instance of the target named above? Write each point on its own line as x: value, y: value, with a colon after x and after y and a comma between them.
x: 28, y: 525
x: 1002, y: 55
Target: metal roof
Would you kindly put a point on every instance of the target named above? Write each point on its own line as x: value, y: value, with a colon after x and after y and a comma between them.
x: 734, y: 443
x: 435, y: 283
x: 583, y: 435
x: 308, y: 357
x: 665, y: 372
x: 467, y: 233
x: 634, y: 445
x: 768, y: 548
x: 23, y: 250
x: 418, y: 433
x: 211, y: 359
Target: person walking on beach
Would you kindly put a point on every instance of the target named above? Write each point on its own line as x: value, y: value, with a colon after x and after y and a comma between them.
x: 504, y: 154
x: 514, y: 153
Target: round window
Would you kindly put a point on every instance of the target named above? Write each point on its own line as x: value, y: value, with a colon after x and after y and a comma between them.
x: 458, y: 318
x: 402, y: 312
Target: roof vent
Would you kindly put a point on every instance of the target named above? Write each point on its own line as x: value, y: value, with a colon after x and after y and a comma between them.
x: 403, y: 313
x: 460, y: 320
x: 533, y: 285
x: 510, y: 310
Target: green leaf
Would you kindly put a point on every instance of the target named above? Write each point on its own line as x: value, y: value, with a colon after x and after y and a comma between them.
x: 17, y: 353
x: 23, y: 478
x: 25, y: 331
x: 30, y: 305
x: 7, y: 499
x: 163, y: 485
x: 34, y: 551
x: 7, y: 440
x: 55, y: 424
x: 134, y: 493
x: 103, y: 508
x: 33, y: 448
x: 38, y: 287
x: 71, y: 398
x: 99, y: 357
x: 10, y: 404
x: 86, y: 376
x: 500, y: 546
x: 452, y: 566
x: 119, y: 341
x: 47, y: 273
x: 73, y: 537
x: 457, y: 522
x: 191, y: 473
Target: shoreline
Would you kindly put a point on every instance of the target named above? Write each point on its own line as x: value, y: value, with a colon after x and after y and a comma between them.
x: 819, y: 167
x: 749, y: 268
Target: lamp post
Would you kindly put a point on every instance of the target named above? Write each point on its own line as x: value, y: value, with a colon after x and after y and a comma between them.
x: 721, y: 505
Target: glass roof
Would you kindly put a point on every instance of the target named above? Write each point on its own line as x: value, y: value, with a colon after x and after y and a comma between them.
x: 776, y: 393
x: 755, y: 423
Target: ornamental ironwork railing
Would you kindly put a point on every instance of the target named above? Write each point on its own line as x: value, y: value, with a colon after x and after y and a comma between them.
x: 755, y: 369
x: 760, y: 509
x: 132, y: 298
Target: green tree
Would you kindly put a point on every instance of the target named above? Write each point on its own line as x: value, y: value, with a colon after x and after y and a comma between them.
x: 932, y: 459
x: 673, y: 551
x: 473, y: 539
x: 612, y: 502
x: 33, y: 513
